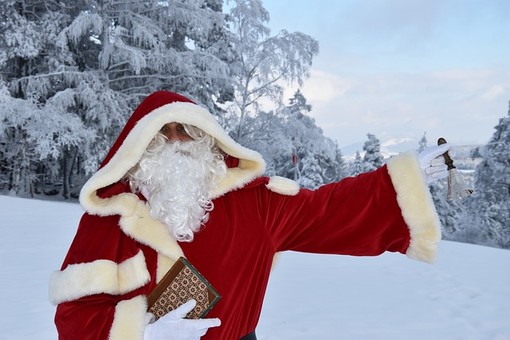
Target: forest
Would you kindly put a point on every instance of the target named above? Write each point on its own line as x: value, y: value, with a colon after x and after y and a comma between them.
x: 72, y: 71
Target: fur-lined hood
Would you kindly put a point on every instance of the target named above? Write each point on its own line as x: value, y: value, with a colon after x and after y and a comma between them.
x: 156, y: 110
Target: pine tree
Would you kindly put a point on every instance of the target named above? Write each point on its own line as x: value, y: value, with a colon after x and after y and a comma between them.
x: 336, y: 168
x: 489, y: 205
x: 356, y: 167
x: 71, y: 104
x: 422, y: 143
x: 312, y: 176
x: 373, y: 158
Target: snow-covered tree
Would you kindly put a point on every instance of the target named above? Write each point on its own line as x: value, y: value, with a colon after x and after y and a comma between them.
x: 16, y: 159
x: 263, y: 63
x: 373, y: 158
x: 69, y: 102
x: 422, y: 143
x: 356, y: 167
x: 174, y: 45
x: 335, y: 168
x: 488, y: 208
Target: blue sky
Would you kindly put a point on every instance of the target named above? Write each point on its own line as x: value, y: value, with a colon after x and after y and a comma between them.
x: 399, y: 68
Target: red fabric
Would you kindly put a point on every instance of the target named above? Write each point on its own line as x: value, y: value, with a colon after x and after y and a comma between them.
x: 235, y: 250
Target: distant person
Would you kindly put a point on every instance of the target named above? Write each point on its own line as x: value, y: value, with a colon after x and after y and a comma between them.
x: 174, y: 183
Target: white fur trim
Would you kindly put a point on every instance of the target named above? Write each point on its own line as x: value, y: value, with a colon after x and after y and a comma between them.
x: 282, y: 185
x: 417, y: 206
x: 129, y: 319
x: 140, y: 225
x: 100, y: 276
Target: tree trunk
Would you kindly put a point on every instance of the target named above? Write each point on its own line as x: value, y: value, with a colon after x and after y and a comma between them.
x: 68, y: 162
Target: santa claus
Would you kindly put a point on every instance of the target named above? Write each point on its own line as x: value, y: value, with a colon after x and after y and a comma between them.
x: 175, y: 184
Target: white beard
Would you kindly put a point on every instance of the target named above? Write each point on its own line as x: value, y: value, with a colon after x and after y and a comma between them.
x: 177, y: 180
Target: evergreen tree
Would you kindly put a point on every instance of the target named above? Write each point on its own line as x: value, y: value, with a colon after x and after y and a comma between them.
x: 153, y: 45
x: 373, y: 158
x: 43, y: 84
x: 312, y: 174
x: 422, y: 143
x: 357, y: 166
x: 336, y: 168
x: 489, y: 206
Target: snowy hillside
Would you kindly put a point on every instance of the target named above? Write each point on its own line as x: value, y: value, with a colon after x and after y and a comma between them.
x: 465, y: 295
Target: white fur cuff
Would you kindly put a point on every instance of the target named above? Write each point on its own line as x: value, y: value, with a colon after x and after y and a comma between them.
x: 100, y: 276
x: 418, y: 210
x: 129, y: 320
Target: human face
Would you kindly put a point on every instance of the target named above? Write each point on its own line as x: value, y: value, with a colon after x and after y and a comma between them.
x: 175, y: 132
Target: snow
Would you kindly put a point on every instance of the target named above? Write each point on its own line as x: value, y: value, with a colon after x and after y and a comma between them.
x: 464, y: 295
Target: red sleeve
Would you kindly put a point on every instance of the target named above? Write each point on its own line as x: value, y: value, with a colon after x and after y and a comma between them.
x: 86, y: 318
x: 356, y: 216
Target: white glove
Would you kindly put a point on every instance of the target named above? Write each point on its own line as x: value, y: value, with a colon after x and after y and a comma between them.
x: 173, y: 326
x: 432, y: 162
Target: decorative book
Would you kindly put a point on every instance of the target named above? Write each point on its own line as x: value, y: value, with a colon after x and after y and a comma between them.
x: 182, y: 283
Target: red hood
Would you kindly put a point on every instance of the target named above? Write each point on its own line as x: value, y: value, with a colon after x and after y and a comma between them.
x: 152, y: 102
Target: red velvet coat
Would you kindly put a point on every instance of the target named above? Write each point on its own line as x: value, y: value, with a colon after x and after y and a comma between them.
x: 120, y: 252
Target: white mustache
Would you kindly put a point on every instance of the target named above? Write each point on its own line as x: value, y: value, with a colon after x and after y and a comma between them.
x: 183, y: 153
x: 183, y: 149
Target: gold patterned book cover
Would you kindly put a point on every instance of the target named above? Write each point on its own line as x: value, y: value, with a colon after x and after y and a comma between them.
x: 182, y: 283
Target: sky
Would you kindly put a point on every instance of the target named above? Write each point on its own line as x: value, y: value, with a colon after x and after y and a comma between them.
x: 387, y: 297
x: 402, y: 68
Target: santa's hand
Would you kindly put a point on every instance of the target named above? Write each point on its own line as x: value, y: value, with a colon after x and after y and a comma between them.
x: 432, y: 162
x: 173, y: 326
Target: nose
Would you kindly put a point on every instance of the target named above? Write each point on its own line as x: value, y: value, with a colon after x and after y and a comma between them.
x: 175, y: 132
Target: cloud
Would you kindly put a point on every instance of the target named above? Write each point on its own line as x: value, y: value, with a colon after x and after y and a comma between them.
x: 495, y: 92
x: 463, y: 103
x: 324, y: 86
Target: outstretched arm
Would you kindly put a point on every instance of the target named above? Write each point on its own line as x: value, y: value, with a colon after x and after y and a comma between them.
x: 389, y: 209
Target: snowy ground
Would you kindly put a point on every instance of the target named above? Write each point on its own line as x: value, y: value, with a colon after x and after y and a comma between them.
x: 465, y: 295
